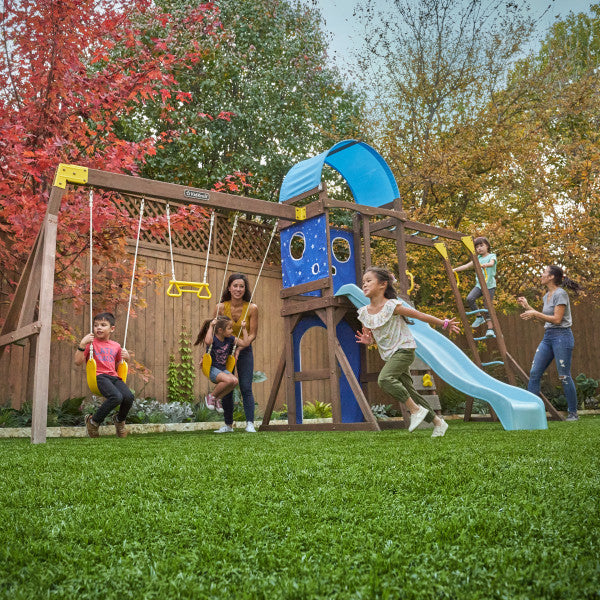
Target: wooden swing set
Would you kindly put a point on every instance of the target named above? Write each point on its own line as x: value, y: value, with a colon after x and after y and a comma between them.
x: 30, y: 312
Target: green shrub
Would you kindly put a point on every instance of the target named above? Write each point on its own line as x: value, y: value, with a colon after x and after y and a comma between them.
x: 586, y: 390
x: 316, y: 410
x: 181, y: 375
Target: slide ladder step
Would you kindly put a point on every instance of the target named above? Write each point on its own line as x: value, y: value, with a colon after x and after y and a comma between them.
x: 493, y: 362
x: 474, y: 312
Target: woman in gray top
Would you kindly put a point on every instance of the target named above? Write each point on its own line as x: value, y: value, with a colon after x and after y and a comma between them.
x: 558, y: 340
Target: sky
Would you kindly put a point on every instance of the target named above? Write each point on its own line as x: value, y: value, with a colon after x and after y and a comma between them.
x: 344, y: 33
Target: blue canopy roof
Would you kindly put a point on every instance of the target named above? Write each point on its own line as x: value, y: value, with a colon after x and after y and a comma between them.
x: 368, y: 176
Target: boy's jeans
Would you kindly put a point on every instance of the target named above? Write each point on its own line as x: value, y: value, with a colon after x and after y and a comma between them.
x: 476, y: 293
x: 557, y: 344
x: 116, y: 393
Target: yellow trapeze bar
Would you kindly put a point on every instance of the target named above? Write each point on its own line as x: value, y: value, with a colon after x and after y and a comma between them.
x: 176, y: 288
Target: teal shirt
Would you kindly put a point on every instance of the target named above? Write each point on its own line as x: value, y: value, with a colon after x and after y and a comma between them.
x: 490, y: 271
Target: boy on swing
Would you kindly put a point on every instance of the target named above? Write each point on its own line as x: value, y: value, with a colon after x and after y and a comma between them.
x: 108, y: 354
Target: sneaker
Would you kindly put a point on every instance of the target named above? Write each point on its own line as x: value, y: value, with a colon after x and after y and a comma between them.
x: 225, y: 429
x: 209, y: 400
x: 490, y: 333
x: 417, y: 418
x: 440, y: 430
x: 572, y: 417
x: 250, y: 427
x: 93, y: 430
x: 218, y: 406
x: 478, y: 322
x: 120, y: 428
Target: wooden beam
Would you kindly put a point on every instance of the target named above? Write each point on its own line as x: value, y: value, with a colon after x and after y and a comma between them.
x: 274, y: 390
x: 149, y: 188
x: 334, y: 381
x: 303, y: 195
x: 290, y: 387
x: 364, y: 405
x: 365, y: 426
x: 312, y: 375
x: 291, y: 307
x: 41, y: 374
x: 303, y: 288
x: 21, y: 333
x: 373, y: 211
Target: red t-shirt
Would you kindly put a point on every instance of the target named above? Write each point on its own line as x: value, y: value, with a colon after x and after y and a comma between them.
x: 107, y: 355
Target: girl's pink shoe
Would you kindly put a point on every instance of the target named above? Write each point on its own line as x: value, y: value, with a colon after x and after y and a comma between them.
x: 209, y: 400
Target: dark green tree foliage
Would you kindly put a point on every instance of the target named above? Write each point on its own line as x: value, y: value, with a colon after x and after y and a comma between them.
x: 261, y: 100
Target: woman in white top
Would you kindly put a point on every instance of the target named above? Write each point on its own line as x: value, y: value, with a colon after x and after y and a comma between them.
x: 384, y: 322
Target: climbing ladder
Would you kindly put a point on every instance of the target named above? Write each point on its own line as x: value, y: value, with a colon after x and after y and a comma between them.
x: 506, y: 360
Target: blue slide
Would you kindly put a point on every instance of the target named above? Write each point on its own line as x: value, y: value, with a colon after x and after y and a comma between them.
x: 516, y: 408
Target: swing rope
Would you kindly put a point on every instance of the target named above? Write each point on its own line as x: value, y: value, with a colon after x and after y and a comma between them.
x: 255, y: 285
x: 122, y: 368
x: 137, y: 245
x: 91, y: 205
x: 233, y: 230
x: 212, y: 222
x: 170, y: 243
x: 207, y: 359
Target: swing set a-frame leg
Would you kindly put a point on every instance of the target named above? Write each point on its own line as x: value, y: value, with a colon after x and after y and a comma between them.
x: 36, y: 287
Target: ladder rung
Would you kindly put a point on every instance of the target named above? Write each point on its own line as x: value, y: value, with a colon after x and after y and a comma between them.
x: 479, y: 310
x: 493, y: 362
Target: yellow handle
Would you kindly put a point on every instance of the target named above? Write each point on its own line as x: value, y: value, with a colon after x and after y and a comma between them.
x: 427, y: 380
x: 412, y: 281
x: 170, y: 292
x: 176, y: 289
x: 123, y: 370
x: 457, y: 279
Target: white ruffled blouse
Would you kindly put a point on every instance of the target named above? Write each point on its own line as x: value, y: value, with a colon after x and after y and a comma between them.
x: 390, y: 331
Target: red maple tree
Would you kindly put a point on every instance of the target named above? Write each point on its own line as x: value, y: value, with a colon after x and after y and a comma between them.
x: 71, y: 71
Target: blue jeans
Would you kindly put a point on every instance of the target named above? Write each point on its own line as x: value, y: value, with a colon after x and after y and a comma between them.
x: 557, y: 344
x: 245, y: 373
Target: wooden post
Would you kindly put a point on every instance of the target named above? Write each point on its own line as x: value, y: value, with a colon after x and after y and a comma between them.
x: 274, y: 390
x: 401, y: 253
x: 290, y: 386
x: 42, y: 359
x: 366, y: 242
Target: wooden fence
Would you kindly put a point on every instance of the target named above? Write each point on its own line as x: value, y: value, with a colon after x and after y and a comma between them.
x: 155, y: 331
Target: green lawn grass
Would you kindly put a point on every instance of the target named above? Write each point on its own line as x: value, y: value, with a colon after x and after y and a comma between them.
x: 482, y: 513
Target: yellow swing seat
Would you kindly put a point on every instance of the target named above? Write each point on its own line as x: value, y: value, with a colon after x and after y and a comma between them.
x: 90, y: 371
x: 207, y: 364
x: 177, y: 288
x: 91, y: 374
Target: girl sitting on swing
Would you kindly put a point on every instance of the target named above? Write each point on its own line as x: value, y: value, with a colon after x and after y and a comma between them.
x: 217, y: 334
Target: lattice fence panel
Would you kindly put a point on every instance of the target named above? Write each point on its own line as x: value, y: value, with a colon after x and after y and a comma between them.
x: 250, y: 242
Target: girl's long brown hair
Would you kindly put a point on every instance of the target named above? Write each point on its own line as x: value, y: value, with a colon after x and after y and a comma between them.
x: 220, y: 325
